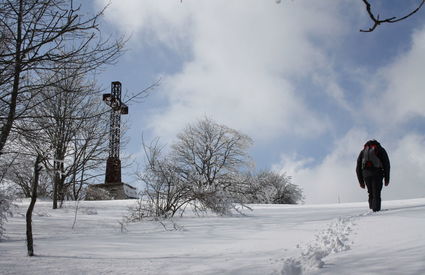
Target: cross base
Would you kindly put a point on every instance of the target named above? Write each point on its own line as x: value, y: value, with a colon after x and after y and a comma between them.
x: 111, y: 191
x: 113, y: 170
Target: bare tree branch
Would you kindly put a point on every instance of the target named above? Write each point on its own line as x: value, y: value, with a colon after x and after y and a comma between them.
x: 45, y: 37
x: 394, y: 19
x: 144, y: 93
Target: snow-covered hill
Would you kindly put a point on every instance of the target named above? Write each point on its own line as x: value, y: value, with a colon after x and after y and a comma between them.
x: 272, y: 239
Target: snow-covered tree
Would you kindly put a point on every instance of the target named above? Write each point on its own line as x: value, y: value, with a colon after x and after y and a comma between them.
x: 165, y: 191
x: 21, y: 177
x: 210, y: 157
x: 70, y: 119
x: 269, y: 187
x: 5, y: 203
x: 203, y: 168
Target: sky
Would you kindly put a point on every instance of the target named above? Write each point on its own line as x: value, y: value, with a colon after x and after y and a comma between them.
x: 296, y: 76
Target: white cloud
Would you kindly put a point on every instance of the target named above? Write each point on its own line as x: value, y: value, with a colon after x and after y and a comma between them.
x: 333, y: 179
x: 408, y: 173
x: 149, y: 21
x: 244, y: 58
x: 394, y: 97
x: 401, y: 100
x: 396, y: 94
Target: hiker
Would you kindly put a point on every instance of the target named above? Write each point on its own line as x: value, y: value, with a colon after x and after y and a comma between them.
x: 373, y: 165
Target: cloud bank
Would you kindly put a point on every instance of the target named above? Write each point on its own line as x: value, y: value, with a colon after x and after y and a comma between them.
x: 243, y: 58
x: 392, y: 99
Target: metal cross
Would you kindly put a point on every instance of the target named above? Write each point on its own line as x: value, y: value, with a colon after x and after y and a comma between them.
x: 113, y: 164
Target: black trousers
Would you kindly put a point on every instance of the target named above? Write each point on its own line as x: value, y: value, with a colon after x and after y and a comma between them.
x: 374, y: 188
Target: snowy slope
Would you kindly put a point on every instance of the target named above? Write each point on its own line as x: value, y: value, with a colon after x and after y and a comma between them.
x: 272, y: 239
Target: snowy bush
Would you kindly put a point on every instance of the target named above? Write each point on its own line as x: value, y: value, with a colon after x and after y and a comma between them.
x: 144, y: 211
x: 165, y: 192
x: 210, y: 157
x: 201, y: 169
x: 270, y: 187
x: 5, y: 204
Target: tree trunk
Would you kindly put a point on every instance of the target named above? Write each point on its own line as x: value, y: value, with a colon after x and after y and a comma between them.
x: 5, y: 130
x: 30, y: 242
x: 55, y: 191
x: 57, y: 184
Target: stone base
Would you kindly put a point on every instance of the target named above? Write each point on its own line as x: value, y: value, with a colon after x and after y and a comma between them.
x: 111, y: 191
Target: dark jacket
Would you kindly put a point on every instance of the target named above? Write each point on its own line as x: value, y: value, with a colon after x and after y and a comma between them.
x: 382, y: 155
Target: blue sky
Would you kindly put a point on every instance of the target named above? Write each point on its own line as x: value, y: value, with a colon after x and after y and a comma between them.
x: 298, y: 77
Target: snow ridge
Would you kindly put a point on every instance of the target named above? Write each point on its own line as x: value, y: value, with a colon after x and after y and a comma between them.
x: 334, y: 239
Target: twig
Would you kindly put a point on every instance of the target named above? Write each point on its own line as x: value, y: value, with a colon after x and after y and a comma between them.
x: 377, y: 21
x: 145, y: 92
x: 77, y: 202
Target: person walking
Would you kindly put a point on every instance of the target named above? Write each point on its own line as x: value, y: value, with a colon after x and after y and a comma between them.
x: 373, y: 166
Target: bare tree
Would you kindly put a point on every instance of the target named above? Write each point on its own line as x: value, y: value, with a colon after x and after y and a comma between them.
x: 89, y: 150
x: 394, y: 19
x: 202, y: 169
x: 21, y: 176
x: 30, y: 241
x: 44, y: 37
x: 165, y: 192
x: 70, y: 119
x: 20, y: 156
x: 210, y: 157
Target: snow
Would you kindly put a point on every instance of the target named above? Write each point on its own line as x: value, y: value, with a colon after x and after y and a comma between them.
x: 272, y: 239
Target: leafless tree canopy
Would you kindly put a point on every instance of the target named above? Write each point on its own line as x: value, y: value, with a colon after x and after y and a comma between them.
x: 165, y: 191
x: 210, y: 154
x: 70, y: 122
x: 202, y: 169
x: 41, y: 39
x: 22, y: 177
x: 210, y: 157
x: 376, y: 20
